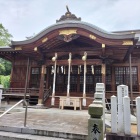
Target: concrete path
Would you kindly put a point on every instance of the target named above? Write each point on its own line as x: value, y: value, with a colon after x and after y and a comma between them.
x: 51, y: 119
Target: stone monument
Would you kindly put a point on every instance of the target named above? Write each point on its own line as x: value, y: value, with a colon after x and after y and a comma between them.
x: 96, y: 112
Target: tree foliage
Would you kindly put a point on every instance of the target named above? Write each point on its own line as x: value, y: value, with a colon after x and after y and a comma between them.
x: 4, y: 36
x: 5, y: 81
x: 5, y: 66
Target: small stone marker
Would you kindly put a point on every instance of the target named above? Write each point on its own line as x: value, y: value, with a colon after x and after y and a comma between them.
x: 113, y: 114
x: 127, y: 117
x: 122, y: 90
x: 95, y: 110
x: 95, y: 123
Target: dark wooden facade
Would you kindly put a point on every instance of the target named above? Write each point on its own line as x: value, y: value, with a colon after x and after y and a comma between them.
x: 107, y: 59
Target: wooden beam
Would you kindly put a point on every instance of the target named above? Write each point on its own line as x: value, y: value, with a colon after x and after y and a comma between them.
x: 129, y: 51
x: 75, y: 62
x: 73, y: 49
x: 60, y: 54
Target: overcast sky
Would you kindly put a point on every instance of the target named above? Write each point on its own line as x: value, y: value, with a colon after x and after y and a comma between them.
x: 23, y: 18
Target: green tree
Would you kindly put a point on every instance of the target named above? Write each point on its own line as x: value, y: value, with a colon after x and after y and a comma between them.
x: 5, y: 37
x: 5, y: 66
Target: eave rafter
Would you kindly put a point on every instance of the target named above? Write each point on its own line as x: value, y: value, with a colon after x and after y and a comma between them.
x: 9, y: 55
x: 95, y: 44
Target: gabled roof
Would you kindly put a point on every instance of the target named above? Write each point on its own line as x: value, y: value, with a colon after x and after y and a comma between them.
x: 69, y: 20
x: 136, y: 32
x: 76, y: 24
x: 89, y: 37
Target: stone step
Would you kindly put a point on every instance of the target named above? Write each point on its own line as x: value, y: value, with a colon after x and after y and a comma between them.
x: 40, y: 132
x: 19, y: 136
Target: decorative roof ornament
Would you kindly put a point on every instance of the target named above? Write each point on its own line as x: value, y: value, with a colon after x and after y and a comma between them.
x: 68, y: 16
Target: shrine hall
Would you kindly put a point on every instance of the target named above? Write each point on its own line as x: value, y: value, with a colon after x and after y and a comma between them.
x: 60, y: 66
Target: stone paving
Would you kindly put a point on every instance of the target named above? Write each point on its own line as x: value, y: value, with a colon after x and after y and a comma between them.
x: 53, y: 119
x: 49, y: 119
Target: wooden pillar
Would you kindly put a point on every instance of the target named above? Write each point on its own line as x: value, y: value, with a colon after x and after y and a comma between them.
x: 131, y: 88
x: 26, y: 80
x: 47, y: 78
x: 41, y: 88
x: 103, y: 73
x: 29, y: 75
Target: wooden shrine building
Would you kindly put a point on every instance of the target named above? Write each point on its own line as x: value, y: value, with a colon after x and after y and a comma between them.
x: 71, y: 56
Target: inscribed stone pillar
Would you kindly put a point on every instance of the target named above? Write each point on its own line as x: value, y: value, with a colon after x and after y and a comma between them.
x: 127, y: 117
x: 113, y: 114
x: 122, y: 90
x: 95, y: 122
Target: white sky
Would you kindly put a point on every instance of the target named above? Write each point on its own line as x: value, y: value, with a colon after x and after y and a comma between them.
x: 23, y: 18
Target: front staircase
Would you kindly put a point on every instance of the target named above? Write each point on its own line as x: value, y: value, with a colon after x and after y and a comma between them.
x: 17, y: 136
x: 17, y: 133
x: 33, y: 100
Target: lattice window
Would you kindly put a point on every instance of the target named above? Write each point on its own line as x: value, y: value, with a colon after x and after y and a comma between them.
x: 98, y: 79
x: 74, y: 69
x: 81, y: 83
x: 89, y: 70
x: 98, y: 75
x: 35, y: 70
x: 59, y: 82
x: 119, y: 72
x: 122, y: 76
x: 108, y: 78
x: 73, y: 83
x: 65, y: 82
x: 97, y: 70
x: 89, y: 84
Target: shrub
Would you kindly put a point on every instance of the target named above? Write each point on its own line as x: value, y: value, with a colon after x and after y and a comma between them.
x: 5, y: 81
